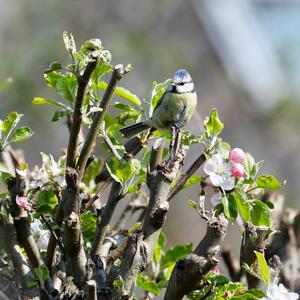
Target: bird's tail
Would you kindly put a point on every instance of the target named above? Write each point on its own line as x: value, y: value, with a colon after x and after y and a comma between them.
x: 134, y: 129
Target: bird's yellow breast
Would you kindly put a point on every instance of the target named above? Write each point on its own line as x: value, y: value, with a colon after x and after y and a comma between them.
x: 174, y: 109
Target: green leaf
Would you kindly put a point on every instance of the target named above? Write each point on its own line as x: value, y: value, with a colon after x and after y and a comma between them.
x: 40, y: 100
x: 213, y: 125
x: 260, y: 214
x: 192, y: 204
x: 268, y: 182
x: 243, y: 205
x: 42, y: 274
x: 100, y: 71
x: 10, y: 122
x: 159, y: 248
x: 47, y: 201
x: 249, y: 165
x: 230, y: 207
x: 263, y: 270
x: 148, y: 285
x: 59, y: 114
x: 64, y: 84
x: 55, y: 65
x: 21, y: 134
x: 88, y: 223
x: 123, y: 171
x: 175, y: 253
x: 192, y: 180
x: 122, y: 92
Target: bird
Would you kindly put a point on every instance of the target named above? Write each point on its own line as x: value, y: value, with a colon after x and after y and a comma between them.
x: 174, y: 108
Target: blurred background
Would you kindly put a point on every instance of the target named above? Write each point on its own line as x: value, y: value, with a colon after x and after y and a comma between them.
x: 244, y: 57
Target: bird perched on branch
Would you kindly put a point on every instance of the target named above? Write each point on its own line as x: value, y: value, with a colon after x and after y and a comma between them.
x: 173, y: 110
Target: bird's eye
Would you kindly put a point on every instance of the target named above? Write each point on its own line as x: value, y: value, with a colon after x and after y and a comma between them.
x: 181, y: 83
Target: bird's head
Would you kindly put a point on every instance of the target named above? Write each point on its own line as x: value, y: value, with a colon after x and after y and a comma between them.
x: 182, y: 82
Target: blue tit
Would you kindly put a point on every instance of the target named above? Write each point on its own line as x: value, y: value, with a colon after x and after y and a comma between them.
x: 174, y: 109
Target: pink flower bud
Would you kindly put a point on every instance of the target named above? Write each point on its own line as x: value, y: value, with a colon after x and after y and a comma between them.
x: 237, y: 155
x: 237, y: 170
x: 216, y: 271
x: 23, y: 202
x: 228, y: 294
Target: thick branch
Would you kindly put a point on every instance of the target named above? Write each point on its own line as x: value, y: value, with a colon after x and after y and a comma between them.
x: 72, y: 236
x: 83, y: 81
x: 22, y: 223
x: 8, y: 235
x: 140, y: 247
x: 188, y: 272
x: 255, y: 239
x: 88, y: 145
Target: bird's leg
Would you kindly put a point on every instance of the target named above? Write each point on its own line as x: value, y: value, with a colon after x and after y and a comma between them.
x: 175, y: 141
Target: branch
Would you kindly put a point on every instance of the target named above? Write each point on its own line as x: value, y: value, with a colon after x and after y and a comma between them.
x: 16, y: 188
x: 254, y: 239
x: 117, y: 74
x: 8, y: 235
x: 72, y: 235
x: 185, y: 177
x: 114, y: 196
x: 139, y: 249
x: 83, y: 81
x: 188, y: 272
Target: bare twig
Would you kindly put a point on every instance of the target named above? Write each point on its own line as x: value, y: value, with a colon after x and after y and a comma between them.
x: 110, y: 145
x: 53, y: 233
x: 100, y: 191
x: 77, y: 116
x: 102, y: 228
x: 185, y: 177
x: 118, y: 72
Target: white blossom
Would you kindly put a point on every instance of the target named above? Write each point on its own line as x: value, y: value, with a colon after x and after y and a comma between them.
x: 279, y: 292
x: 219, y: 172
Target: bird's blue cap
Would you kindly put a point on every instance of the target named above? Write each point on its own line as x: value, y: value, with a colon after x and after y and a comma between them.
x: 182, y: 76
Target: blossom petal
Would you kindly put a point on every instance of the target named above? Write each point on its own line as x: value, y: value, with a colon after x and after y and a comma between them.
x: 227, y: 183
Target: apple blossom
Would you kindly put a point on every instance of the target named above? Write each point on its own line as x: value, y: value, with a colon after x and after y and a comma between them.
x: 219, y: 172
x: 237, y: 170
x: 237, y: 155
x: 23, y: 202
x: 279, y: 292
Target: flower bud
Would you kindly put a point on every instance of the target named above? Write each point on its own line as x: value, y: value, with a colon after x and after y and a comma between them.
x: 216, y: 271
x: 237, y: 170
x: 228, y: 294
x: 23, y: 202
x: 237, y: 155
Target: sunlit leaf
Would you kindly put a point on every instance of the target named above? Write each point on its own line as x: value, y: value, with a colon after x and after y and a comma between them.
x: 21, y: 134
x: 213, y: 125
x: 264, y: 270
x: 268, y: 182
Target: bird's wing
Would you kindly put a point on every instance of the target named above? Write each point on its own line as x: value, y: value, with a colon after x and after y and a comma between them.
x: 159, y: 102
